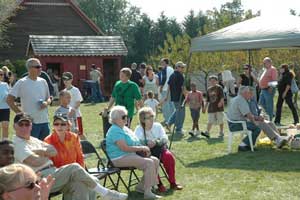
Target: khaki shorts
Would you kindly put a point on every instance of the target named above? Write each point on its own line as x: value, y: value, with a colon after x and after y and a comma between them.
x: 215, y: 118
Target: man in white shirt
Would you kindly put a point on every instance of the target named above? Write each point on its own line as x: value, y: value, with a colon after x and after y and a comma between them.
x: 35, y: 98
x: 167, y: 106
x: 72, y: 179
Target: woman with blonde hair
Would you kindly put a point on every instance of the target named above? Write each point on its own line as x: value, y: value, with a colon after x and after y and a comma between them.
x: 18, y: 181
x: 153, y: 135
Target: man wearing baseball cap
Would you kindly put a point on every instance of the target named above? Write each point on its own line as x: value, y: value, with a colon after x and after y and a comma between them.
x: 177, y: 90
x: 35, y: 98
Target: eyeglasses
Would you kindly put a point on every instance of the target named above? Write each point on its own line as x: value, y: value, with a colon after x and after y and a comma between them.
x: 29, y: 186
x: 37, y: 67
x: 124, y: 117
x: 22, y: 124
x: 60, y: 124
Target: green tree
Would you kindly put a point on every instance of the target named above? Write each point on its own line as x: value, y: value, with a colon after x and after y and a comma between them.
x: 7, y: 10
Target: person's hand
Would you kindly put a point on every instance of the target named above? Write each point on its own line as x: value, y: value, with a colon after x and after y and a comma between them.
x: 160, y: 89
x: 270, y: 90
x: 284, y: 95
x: 105, y: 112
x: 46, y: 185
x: 44, y: 105
x: 220, y: 104
x: 71, y: 113
x: 144, y: 149
x: 203, y: 110
x: 151, y: 144
x: 260, y: 118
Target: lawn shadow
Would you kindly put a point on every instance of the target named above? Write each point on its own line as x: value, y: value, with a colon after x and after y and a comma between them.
x: 265, y: 159
x: 194, y: 138
x: 215, y: 140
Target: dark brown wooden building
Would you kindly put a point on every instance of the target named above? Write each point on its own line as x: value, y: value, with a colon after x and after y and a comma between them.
x: 64, y: 39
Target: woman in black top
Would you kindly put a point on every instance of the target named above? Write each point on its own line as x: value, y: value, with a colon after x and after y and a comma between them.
x: 247, y: 78
x: 285, y: 93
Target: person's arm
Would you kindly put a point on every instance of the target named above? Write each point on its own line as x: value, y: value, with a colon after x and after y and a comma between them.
x: 124, y: 147
x: 35, y: 160
x: 11, y: 102
x: 110, y: 103
x: 47, y: 151
x: 79, y: 153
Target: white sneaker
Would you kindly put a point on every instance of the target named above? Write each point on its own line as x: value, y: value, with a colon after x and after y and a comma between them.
x: 197, y: 133
x: 114, y: 195
x: 151, y: 195
x: 192, y: 133
x: 280, y: 142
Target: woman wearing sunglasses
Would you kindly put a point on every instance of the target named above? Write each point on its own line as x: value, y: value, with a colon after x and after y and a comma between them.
x: 18, y: 181
x: 123, y: 150
x: 4, y: 108
x: 65, y: 142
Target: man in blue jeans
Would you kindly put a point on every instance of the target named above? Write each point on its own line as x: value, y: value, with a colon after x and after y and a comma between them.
x: 239, y: 110
x: 176, y: 89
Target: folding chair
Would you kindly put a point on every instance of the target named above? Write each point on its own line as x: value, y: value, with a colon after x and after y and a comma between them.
x: 101, y: 171
x: 243, y: 131
x: 133, y: 178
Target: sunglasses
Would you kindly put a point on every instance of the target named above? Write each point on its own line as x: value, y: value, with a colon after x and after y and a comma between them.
x: 22, y: 124
x: 150, y: 117
x: 29, y: 186
x: 124, y: 117
x: 1, y: 74
x: 60, y: 124
x: 37, y: 67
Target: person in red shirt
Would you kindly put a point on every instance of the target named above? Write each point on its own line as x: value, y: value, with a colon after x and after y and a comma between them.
x: 65, y: 142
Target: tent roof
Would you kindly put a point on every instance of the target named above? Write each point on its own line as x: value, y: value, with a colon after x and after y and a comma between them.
x: 256, y: 33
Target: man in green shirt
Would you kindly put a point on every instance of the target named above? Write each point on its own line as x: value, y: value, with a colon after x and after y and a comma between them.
x: 125, y: 93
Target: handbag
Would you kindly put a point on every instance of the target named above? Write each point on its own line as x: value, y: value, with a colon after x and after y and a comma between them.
x: 294, y: 87
x: 157, y: 150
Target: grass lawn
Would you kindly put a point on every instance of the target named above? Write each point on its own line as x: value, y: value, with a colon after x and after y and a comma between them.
x: 206, y: 171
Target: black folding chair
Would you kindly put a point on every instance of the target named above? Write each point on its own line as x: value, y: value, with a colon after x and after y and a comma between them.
x: 101, y: 171
x: 133, y: 178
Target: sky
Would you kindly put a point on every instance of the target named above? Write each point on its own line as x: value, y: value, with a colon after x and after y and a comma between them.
x: 180, y: 8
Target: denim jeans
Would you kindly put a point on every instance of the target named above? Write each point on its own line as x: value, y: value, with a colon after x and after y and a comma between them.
x: 177, y: 118
x: 251, y: 127
x: 266, y: 100
x: 96, y: 92
x: 167, y: 107
x: 40, y: 131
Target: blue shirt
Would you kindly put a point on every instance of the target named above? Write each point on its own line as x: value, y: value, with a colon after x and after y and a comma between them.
x: 116, y: 133
x: 4, y: 89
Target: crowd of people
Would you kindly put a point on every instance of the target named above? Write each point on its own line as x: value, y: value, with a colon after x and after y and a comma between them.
x: 48, y: 163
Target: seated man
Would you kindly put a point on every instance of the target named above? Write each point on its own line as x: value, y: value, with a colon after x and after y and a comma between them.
x: 72, y: 179
x: 239, y: 111
x: 268, y: 127
x: 6, y: 153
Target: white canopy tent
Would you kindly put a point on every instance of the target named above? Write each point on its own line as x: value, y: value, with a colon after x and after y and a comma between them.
x: 256, y: 33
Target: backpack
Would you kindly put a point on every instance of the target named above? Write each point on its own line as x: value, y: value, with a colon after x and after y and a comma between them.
x: 294, y: 87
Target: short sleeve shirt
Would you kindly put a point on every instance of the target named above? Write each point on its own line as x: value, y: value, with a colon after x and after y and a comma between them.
x: 66, y: 111
x: 75, y: 97
x: 4, y: 89
x: 31, y: 92
x: 24, y: 149
x: 68, y: 152
x: 238, y: 109
x: 175, y: 83
x: 268, y: 75
x: 152, y: 103
x: 156, y: 132
x: 194, y: 99
x: 214, y: 95
x: 116, y: 133
x: 125, y: 94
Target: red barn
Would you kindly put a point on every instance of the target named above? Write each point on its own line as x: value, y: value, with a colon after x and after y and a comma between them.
x: 64, y: 39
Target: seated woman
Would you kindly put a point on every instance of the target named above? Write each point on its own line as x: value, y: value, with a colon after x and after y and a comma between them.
x: 154, y: 136
x: 18, y: 181
x: 65, y: 142
x: 122, y: 147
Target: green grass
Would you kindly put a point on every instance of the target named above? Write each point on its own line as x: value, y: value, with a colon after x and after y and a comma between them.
x: 206, y: 171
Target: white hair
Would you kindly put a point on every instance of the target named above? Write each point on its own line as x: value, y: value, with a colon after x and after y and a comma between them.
x: 243, y: 89
x: 268, y: 59
x: 116, y: 113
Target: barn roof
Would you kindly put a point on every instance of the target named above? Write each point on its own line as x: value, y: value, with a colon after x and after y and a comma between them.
x: 47, y: 45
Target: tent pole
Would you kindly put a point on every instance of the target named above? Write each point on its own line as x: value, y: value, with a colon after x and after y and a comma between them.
x: 184, y: 84
x: 249, y: 56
